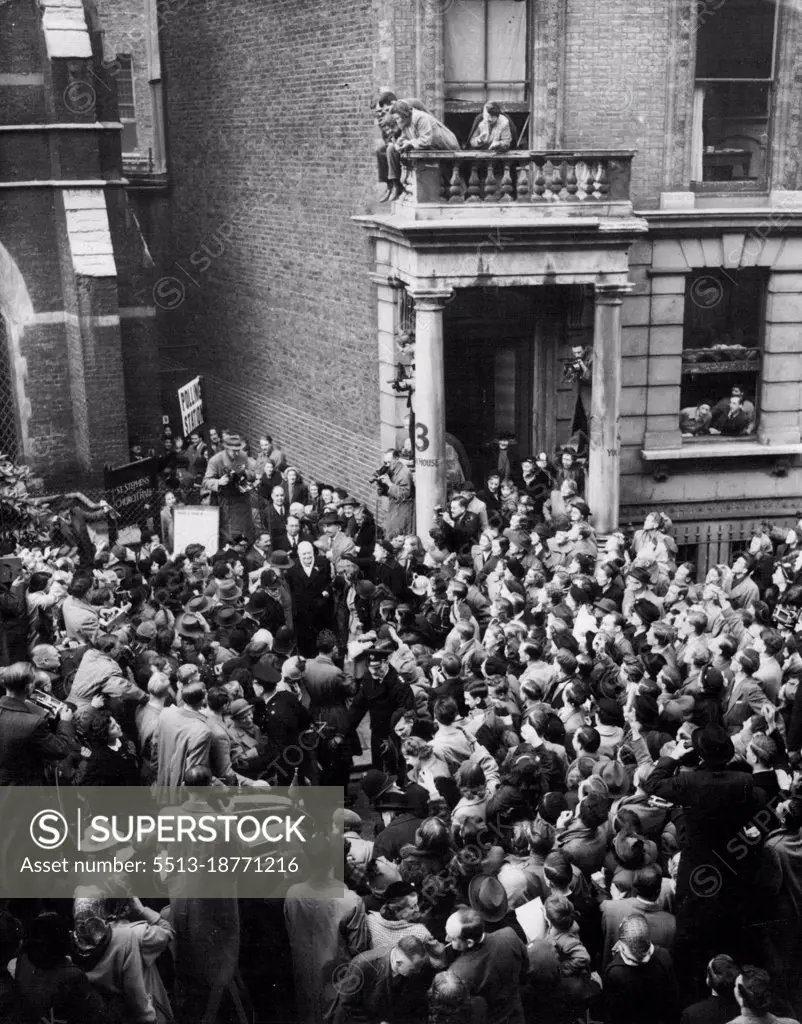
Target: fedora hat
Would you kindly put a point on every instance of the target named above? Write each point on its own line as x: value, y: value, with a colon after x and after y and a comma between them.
x: 227, y: 617
x: 365, y: 589
x: 487, y: 897
x: 227, y: 590
x: 258, y: 602
x: 376, y: 783
x: 199, y: 605
x: 280, y: 560
x: 284, y: 642
x: 392, y: 800
x: 714, y: 744
x: 190, y: 625
x: 647, y: 610
x: 330, y: 519
x: 239, y: 707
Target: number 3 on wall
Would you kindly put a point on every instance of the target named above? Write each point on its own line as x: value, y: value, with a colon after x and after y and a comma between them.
x: 421, y: 436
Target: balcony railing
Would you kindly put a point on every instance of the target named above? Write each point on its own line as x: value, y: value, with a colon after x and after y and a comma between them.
x: 521, y: 177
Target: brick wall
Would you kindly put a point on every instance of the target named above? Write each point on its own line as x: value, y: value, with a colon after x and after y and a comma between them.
x: 123, y: 30
x: 266, y: 289
x: 616, y: 57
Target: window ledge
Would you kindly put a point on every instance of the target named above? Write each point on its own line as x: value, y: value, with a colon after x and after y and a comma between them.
x: 722, y: 450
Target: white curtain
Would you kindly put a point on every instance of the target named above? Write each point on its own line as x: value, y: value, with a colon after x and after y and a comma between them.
x: 697, y: 137
x: 506, y: 55
x: 465, y: 48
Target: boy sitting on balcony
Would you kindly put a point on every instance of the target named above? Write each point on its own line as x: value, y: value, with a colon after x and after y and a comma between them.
x: 419, y: 130
x: 491, y: 130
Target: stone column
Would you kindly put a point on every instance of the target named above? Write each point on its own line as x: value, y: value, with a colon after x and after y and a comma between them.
x: 429, y: 404
x: 604, y: 469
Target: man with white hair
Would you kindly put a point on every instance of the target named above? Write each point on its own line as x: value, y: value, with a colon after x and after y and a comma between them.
x: 310, y: 587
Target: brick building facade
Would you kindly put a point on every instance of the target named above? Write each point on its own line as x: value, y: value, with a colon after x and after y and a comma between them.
x: 284, y: 284
x: 79, y: 367
x: 271, y: 144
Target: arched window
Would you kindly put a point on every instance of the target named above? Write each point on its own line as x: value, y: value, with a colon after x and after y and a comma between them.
x: 8, y: 410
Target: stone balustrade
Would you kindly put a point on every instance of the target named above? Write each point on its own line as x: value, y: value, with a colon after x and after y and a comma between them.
x: 519, y: 176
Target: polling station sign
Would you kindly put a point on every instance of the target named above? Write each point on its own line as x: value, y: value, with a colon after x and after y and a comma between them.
x: 190, y: 401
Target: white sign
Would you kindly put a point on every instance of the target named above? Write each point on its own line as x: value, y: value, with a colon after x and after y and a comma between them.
x: 197, y: 524
x: 191, y: 401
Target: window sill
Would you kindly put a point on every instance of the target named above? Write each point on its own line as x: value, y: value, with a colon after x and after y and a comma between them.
x: 719, y: 450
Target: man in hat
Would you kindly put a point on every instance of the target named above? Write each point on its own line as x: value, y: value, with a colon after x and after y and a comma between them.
x: 401, y: 818
x: 191, y: 626
x: 335, y: 543
x: 396, y: 485
x: 362, y: 529
x: 311, y: 590
x: 228, y: 476
x: 488, y: 897
x: 382, y: 693
x: 638, y: 587
x: 273, y: 581
x: 718, y: 801
x: 492, y: 965
x: 475, y: 503
x: 265, y: 608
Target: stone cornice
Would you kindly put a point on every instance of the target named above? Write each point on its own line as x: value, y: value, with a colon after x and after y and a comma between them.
x: 565, y: 232
x: 768, y: 221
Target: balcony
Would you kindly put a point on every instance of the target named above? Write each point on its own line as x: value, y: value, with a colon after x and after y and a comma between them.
x: 524, y: 218
x: 544, y: 184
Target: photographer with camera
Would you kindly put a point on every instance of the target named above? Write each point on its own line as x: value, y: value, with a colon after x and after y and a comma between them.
x: 393, y: 481
x: 460, y: 528
x: 30, y: 739
x: 231, y: 475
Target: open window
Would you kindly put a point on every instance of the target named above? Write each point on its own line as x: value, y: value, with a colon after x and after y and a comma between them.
x: 722, y: 353
x: 487, y: 47
x: 124, y: 78
x: 735, y: 52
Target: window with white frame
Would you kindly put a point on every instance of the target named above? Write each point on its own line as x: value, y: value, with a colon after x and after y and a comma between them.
x: 486, y: 45
x: 722, y: 351
x: 735, y: 51
x: 124, y: 77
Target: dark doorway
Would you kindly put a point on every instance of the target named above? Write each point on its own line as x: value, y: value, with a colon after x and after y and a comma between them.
x: 500, y: 346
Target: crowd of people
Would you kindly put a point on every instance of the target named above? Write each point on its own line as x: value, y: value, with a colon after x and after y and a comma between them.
x: 576, y: 792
